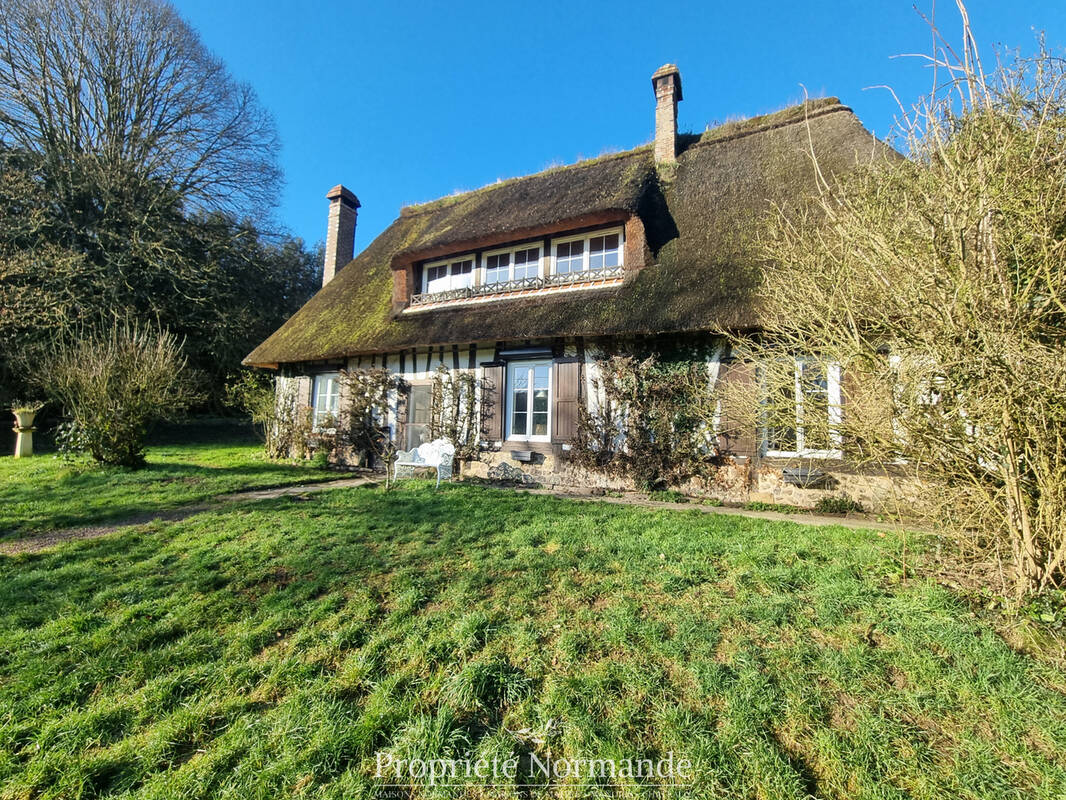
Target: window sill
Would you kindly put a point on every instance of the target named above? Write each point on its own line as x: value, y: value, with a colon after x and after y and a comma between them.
x: 822, y: 454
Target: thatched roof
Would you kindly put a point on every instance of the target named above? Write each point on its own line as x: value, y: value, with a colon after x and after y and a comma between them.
x: 701, y: 217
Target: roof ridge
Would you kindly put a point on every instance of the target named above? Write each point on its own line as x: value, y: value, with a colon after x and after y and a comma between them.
x: 783, y: 121
x: 433, y: 205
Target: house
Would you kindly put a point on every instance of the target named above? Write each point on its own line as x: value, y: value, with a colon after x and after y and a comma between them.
x: 528, y: 282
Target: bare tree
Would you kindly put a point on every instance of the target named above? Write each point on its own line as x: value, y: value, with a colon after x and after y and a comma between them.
x: 126, y: 90
x: 936, y: 285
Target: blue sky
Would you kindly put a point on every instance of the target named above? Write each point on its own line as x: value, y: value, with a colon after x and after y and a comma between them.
x: 403, y: 102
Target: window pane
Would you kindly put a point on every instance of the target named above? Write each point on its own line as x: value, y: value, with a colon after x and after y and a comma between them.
x: 527, y: 263
x: 462, y: 274
x: 497, y: 268
x: 416, y: 435
x: 610, y: 256
x: 326, y: 394
x: 437, y: 278
x: 596, y: 244
x: 781, y: 422
x: 570, y: 257
x: 333, y: 395
x: 540, y: 424
x: 814, y: 407
x: 540, y: 376
x: 518, y: 424
x: 418, y: 412
x: 540, y: 400
x: 521, y: 400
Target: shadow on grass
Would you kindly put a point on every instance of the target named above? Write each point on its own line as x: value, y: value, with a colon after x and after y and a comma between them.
x: 289, y: 640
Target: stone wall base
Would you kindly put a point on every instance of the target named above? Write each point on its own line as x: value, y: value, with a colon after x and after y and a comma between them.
x: 736, y: 482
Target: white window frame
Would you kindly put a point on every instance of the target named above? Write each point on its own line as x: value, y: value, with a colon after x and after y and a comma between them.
x: 509, y: 405
x: 483, y: 276
x: 320, y: 381
x: 585, y: 238
x: 832, y: 370
x: 448, y: 262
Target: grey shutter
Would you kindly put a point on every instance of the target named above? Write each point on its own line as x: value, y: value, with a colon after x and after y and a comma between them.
x: 492, y: 403
x: 566, y: 401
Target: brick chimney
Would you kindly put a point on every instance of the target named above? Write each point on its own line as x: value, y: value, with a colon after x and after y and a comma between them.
x: 340, y: 235
x: 667, y: 84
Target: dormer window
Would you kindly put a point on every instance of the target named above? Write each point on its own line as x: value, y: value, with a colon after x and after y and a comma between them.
x: 595, y: 252
x: 565, y: 263
x: 443, y: 276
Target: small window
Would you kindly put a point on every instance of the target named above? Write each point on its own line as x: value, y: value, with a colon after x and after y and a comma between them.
x: 527, y: 263
x: 444, y: 276
x: 498, y: 268
x: 326, y: 393
x: 569, y: 257
x: 462, y: 273
x: 603, y: 252
x: 437, y: 278
x: 596, y: 252
x: 512, y: 265
x: 529, y: 400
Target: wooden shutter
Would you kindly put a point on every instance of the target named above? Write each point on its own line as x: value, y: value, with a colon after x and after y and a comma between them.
x: 737, y: 390
x: 492, y: 388
x: 566, y: 389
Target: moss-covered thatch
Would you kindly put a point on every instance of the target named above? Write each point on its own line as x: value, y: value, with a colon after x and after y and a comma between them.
x: 702, y: 219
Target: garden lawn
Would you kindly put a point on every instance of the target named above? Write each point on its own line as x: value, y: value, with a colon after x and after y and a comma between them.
x: 274, y: 649
x: 46, y: 493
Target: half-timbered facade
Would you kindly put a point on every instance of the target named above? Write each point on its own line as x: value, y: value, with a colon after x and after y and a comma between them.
x: 528, y: 282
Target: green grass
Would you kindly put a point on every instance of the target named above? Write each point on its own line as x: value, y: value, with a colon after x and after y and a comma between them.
x: 45, y: 493
x: 273, y: 649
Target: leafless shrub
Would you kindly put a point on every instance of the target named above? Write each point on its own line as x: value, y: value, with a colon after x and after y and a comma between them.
x: 936, y: 282
x: 114, y: 385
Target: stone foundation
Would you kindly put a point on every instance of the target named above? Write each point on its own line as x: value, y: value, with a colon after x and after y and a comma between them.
x: 737, y: 482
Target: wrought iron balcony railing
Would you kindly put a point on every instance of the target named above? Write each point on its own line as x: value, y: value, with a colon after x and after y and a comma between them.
x: 522, y: 284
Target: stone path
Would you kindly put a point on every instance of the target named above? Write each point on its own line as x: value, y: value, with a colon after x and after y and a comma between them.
x: 33, y: 544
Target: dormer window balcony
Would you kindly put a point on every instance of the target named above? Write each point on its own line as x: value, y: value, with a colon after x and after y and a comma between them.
x: 578, y: 261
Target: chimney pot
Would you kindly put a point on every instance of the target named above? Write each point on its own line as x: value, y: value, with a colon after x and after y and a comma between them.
x: 340, y: 234
x: 667, y: 85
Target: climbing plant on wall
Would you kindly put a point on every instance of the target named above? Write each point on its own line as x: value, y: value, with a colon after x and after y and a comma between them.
x: 650, y: 421
x: 453, y: 412
x: 367, y: 396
